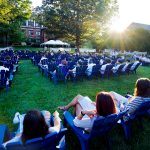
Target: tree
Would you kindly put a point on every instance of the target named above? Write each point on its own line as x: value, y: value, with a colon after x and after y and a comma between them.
x: 74, y: 18
x: 12, y: 14
x: 132, y: 39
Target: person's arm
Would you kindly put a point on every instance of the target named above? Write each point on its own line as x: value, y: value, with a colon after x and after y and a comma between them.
x: 90, y: 113
x: 57, y: 123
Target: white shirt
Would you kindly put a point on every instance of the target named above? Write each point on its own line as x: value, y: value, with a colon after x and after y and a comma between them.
x: 124, y: 68
x: 133, y: 66
x: 43, y: 57
x: 103, y: 68
x: 89, y: 69
x: 3, y: 68
x: 115, y: 68
x: 86, y: 122
x: 101, y: 61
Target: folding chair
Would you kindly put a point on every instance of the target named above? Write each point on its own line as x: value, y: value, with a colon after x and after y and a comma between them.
x: 136, y: 116
x: 101, y: 127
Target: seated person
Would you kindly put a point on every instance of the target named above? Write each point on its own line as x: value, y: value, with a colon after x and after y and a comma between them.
x: 43, y: 61
x: 116, y: 67
x: 125, y: 66
x: 141, y: 95
x: 61, y: 68
x: 72, y: 72
x: 87, y: 111
x: 103, y: 68
x: 34, y: 126
x: 3, y: 68
x: 89, y: 68
x: 134, y: 64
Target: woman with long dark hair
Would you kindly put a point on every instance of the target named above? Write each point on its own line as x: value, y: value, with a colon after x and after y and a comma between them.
x: 35, y: 125
x: 87, y: 111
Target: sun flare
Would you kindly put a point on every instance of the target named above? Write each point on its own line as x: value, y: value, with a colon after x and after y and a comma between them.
x: 118, y: 26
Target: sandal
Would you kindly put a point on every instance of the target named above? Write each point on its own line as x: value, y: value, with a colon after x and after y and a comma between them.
x: 62, y: 108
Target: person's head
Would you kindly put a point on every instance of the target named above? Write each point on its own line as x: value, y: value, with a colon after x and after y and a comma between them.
x: 105, y: 104
x: 34, y: 125
x: 91, y: 61
x: 142, y: 87
x: 128, y: 60
x: 64, y: 62
x: 108, y: 61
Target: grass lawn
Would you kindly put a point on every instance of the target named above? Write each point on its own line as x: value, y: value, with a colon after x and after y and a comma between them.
x: 27, y: 47
x: 32, y: 90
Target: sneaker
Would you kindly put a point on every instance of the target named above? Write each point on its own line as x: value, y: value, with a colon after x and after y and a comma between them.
x: 16, y: 118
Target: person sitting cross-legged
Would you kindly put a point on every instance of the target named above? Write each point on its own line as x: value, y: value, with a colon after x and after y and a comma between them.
x: 87, y: 111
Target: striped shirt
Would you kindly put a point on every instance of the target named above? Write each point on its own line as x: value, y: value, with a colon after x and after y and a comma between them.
x: 135, y: 103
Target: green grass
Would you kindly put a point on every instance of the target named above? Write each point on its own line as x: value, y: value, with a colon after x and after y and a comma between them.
x: 32, y: 90
x: 27, y: 47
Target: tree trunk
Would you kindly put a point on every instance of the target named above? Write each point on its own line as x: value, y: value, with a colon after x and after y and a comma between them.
x: 6, y: 39
x: 77, y: 28
x: 77, y: 42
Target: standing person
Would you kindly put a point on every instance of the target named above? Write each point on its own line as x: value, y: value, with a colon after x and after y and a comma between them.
x: 87, y: 111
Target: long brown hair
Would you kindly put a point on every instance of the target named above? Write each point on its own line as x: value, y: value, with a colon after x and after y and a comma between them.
x: 142, y: 87
x: 105, y: 104
x: 34, y: 125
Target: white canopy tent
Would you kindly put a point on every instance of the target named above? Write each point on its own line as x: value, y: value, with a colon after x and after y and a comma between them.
x: 54, y: 43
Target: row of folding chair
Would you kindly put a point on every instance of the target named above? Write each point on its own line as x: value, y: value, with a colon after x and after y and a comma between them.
x: 81, y: 71
x: 49, y: 142
x: 103, y: 126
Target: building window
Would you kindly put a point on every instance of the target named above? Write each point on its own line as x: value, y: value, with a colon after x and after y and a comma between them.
x: 37, y: 25
x: 38, y: 41
x: 24, y: 23
x: 31, y: 33
x: 30, y: 23
x: 38, y: 33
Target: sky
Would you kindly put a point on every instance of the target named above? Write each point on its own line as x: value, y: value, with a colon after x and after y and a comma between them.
x: 36, y: 3
x: 129, y: 11
x: 133, y: 11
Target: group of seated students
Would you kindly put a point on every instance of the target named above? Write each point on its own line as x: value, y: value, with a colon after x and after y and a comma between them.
x: 68, y: 63
x: 8, y: 66
x: 36, y: 123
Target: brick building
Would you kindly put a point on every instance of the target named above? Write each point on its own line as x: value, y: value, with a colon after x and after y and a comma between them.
x: 34, y: 32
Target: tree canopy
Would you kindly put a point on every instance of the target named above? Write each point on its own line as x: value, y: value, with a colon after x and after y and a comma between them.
x: 12, y: 14
x: 76, y: 20
x: 131, y: 39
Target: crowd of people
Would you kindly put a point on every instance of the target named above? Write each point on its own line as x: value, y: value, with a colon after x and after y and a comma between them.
x: 8, y: 66
x: 71, y: 66
x: 37, y: 124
